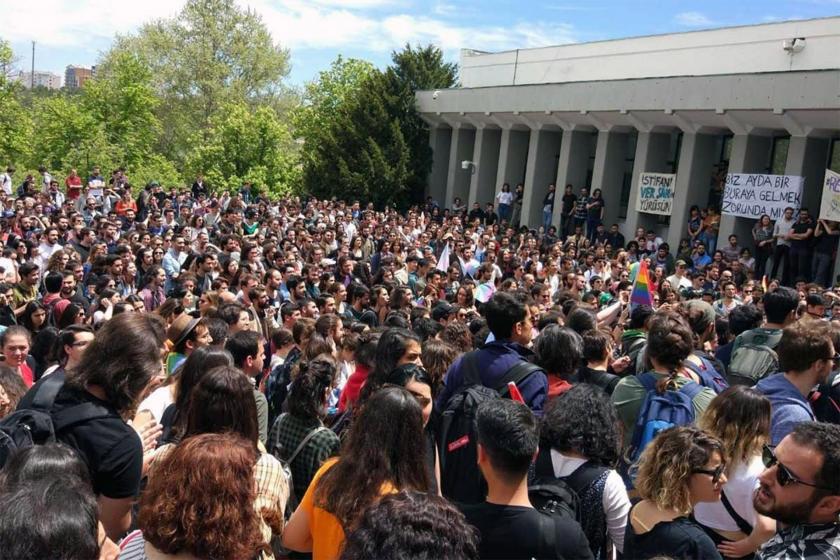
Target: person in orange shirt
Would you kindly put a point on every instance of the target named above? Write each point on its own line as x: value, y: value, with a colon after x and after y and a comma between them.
x: 383, y: 454
x: 125, y: 203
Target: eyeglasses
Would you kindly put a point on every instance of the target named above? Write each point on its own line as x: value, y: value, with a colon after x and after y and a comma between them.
x: 715, y: 474
x: 783, y: 475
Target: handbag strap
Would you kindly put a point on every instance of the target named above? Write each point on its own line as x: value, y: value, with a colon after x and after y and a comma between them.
x: 303, y: 443
x: 742, y: 524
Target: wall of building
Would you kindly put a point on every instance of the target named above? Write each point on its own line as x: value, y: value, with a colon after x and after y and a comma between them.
x: 759, y: 48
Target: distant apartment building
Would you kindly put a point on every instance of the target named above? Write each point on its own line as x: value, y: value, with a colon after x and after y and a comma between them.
x: 76, y: 76
x: 48, y: 80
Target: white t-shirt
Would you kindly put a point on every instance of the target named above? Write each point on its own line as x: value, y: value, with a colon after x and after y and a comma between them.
x: 6, y: 182
x: 739, y: 488
x: 157, y: 402
x: 504, y: 197
x: 615, y: 501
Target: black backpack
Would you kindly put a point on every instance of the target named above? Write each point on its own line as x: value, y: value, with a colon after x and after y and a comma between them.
x: 560, y: 496
x: 36, y: 425
x: 460, y: 478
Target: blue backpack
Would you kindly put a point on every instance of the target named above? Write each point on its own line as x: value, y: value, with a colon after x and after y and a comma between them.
x: 659, y: 411
x: 708, y: 373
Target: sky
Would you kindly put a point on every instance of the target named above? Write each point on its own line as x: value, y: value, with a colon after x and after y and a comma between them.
x: 316, y: 31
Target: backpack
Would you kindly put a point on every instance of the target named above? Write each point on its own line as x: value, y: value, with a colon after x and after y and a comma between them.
x: 709, y: 373
x: 293, y: 501
x: 561, y: 496
x: 277, y: 386
x: 460, y: 478
x: 659, y: 411
x: 27, y: 427
x: 755, y: 358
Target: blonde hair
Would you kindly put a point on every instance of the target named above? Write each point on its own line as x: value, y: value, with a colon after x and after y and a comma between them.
x: 669, y: 461
x: 740, y: 417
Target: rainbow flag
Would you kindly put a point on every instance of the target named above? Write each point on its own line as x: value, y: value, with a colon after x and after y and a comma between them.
x: 641, y: 287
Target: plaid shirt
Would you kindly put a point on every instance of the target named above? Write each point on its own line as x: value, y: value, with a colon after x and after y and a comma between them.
x: 287, y: 433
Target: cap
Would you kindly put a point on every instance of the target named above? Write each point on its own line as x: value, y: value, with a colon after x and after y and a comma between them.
x: 154, y: 184
x: 442, y: 310
x: 681, y: 262
x: 181, y: 329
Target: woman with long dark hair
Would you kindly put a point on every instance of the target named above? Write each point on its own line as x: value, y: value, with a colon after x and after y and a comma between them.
x: 381, y: 455
x: 396, y: 347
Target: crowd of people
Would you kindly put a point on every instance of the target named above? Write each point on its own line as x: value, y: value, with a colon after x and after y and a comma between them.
x: 190, y: 373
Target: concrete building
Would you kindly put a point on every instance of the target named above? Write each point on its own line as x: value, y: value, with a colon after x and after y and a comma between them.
x: 76, y: 76
x: 756, y: 99
x: 48, y: 80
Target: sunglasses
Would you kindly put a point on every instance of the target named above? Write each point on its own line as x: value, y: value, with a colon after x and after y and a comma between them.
x: 783, y: 475
x: 715, y: 474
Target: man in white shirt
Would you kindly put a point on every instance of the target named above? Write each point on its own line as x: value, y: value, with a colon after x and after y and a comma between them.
x: 677, y: 280
x: 48, y: 247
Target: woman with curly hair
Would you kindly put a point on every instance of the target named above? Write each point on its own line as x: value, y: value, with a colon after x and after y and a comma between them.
x: 302, y: 429
x: 740, y: 417
x: 679, y: 469
x: 382, y: 454
x: 412, y: 525
x: 580, y: 441
x: 209, y: 516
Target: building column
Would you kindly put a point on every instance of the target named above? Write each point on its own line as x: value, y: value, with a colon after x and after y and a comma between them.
x: 750, y: 154
x: 608, y: 173
x: 697, y: 156
x: 540, y: 172
x: 486, y: 158
x: 513, y: 156
x: 572, y: 166
x: 439, y: 140
x: 458, y: 179
x: 808, y: 157
x: 652, y: 151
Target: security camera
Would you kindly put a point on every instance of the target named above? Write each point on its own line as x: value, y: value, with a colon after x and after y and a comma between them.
x: 792, y: 46
x: 466, y: 164
x: 435, y: 94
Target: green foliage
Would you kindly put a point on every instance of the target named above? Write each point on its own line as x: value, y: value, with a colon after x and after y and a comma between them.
x: 212, y: 54
x: 363, y: 136
x: 203, y: 92
x: 361, y: 153
x: 15, y: 124
x: 244, y: 144
x: 412, y: 70
x: 122, y: 100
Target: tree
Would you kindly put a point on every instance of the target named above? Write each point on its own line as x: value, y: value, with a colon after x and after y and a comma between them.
x: 244, y: 144
x: 324, y: 98
x: 15, y: 124
x: 362, y: 152
x: 69, y: 136
x: 122, y: 99
x: 412, y: 70
x: 212, y: 54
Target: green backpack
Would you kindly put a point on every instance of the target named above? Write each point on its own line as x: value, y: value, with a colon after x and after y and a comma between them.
x: 754, y: 357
